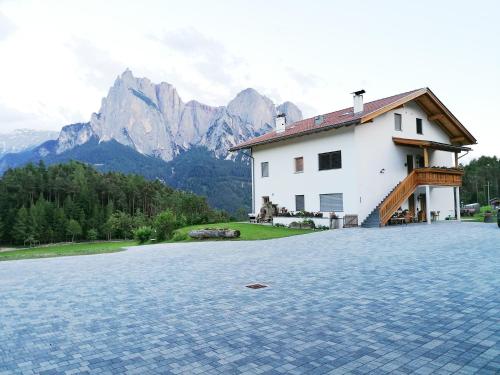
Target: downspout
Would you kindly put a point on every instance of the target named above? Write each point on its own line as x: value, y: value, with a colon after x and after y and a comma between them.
x: 253, y: 178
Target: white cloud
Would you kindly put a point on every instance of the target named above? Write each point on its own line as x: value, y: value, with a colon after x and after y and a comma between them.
x: 97, y: 65
x: 6, y: 26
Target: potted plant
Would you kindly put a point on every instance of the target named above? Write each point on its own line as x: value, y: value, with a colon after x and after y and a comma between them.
x: 488, y: 217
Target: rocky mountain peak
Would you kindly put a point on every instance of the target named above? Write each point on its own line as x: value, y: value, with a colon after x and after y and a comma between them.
x: 152, y: 119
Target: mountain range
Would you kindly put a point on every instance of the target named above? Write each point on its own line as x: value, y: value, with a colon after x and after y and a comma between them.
x: 146, y: 128
x: 24, y: 139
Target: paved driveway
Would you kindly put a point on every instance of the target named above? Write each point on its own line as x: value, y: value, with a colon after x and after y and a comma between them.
x: 415, y: 299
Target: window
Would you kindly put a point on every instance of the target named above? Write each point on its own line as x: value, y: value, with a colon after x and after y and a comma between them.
x: 264, y: 168
x: 299, y: 164
x: 331, y: 202
x: 330, y: 160
x: 420, y: 161
x: 299, y: 203
x: 398, y: 122
x: 419, y: 126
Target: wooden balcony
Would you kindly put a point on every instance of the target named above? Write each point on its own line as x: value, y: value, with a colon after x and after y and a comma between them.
x: 439, y: 176
x: 419, y: 176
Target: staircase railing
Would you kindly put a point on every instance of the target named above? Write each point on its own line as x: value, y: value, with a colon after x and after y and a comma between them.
x: 419, y: 176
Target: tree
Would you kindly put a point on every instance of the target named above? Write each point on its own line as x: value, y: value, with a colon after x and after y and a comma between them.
x: 1, y: 230
x: 165, y: 223
x: 74, y: 229
x: 143, y: 234
x: 22, y: 227
x: 92, y: 235
x: 121, y: 225
x: 38, y: 202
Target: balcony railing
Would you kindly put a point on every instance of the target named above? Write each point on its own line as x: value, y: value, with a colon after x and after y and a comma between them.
x: 439, y: 176
x: 420, y: 176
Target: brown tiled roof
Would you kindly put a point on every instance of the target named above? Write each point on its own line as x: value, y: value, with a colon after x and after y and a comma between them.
x: 330, y: 120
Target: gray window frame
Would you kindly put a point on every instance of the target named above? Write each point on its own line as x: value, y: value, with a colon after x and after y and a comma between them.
x: 262, y: 164
x: 400, y: 117
x: 297, y: 208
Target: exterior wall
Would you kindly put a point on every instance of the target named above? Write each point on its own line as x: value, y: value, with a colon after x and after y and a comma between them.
x: 377, y: 152
x: 283, y: 183
x: 371, y: 165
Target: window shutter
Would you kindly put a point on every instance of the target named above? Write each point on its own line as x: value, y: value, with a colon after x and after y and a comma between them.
x: 331, y: 202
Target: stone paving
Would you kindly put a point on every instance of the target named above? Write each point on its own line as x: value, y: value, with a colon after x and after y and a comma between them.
x: 408, y: 299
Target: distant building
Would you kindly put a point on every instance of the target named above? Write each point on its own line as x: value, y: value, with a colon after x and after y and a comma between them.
x: 368, y: 160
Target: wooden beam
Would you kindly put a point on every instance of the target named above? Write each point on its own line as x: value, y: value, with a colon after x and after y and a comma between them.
x: 437, y: 116
x: 456, y: 159
x: 457, y: 139
x: 396, y: 104
x: 426, y: 157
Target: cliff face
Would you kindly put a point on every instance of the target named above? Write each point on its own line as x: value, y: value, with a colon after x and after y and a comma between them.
x: 153, y: 120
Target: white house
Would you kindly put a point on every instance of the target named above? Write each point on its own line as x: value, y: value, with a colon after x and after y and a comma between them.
x: 369, y: 160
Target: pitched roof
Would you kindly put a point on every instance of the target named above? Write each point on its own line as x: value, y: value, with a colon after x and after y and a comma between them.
x: 346, y: 117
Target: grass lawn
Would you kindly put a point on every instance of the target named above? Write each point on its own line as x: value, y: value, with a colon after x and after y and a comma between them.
x: 479, y: 217
x: 248, y: 231
x: 65, y: 250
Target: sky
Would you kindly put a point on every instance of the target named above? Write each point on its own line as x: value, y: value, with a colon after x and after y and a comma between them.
x: 59, y: 58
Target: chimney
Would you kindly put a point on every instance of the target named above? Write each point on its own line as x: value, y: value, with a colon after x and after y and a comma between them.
x: 358, y: 101
x: 280, y: 123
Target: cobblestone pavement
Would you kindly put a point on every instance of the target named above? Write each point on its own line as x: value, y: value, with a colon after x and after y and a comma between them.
x: 409, y: 299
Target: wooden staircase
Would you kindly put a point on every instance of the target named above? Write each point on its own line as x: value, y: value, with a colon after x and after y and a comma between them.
x: 402, y: 191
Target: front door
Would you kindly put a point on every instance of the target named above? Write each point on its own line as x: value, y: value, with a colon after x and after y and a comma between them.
x: 411, y: 205
x: 409, y: 163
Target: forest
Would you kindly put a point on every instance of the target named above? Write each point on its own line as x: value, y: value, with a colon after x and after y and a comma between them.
x: 479, y: 175
x: 73, y: 201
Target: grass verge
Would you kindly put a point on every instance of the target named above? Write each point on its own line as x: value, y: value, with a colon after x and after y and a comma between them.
x: 249, y: 232
x: 85, y: 248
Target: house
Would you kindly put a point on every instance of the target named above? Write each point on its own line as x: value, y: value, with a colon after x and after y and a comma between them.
x: 369, y: 160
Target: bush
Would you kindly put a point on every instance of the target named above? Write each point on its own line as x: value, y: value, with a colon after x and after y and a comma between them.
x: 309, y: 222
x: 91, y: 235
x: 143, y: 234
x: 279, y: 225
x: 179, y: 236
x: 165, y: 224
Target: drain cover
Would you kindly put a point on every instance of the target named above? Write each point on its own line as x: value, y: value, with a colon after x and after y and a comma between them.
x: 256, y: 286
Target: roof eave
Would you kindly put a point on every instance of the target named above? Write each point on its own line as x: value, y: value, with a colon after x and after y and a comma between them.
x: 296, y: 135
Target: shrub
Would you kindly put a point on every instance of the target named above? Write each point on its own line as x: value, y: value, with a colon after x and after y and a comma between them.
x: 309, y: 222
x: 279, y: 225
x: 92, y: 235
x: 143, y: 234
x: 165, y: 224
x: 179, y: 236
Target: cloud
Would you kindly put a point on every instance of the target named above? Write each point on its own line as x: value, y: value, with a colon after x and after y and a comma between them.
x: 208, y: 56
x: 98, y: 67
x: 6, y: 26
x: 11, y: 119
x: 304, y: 80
